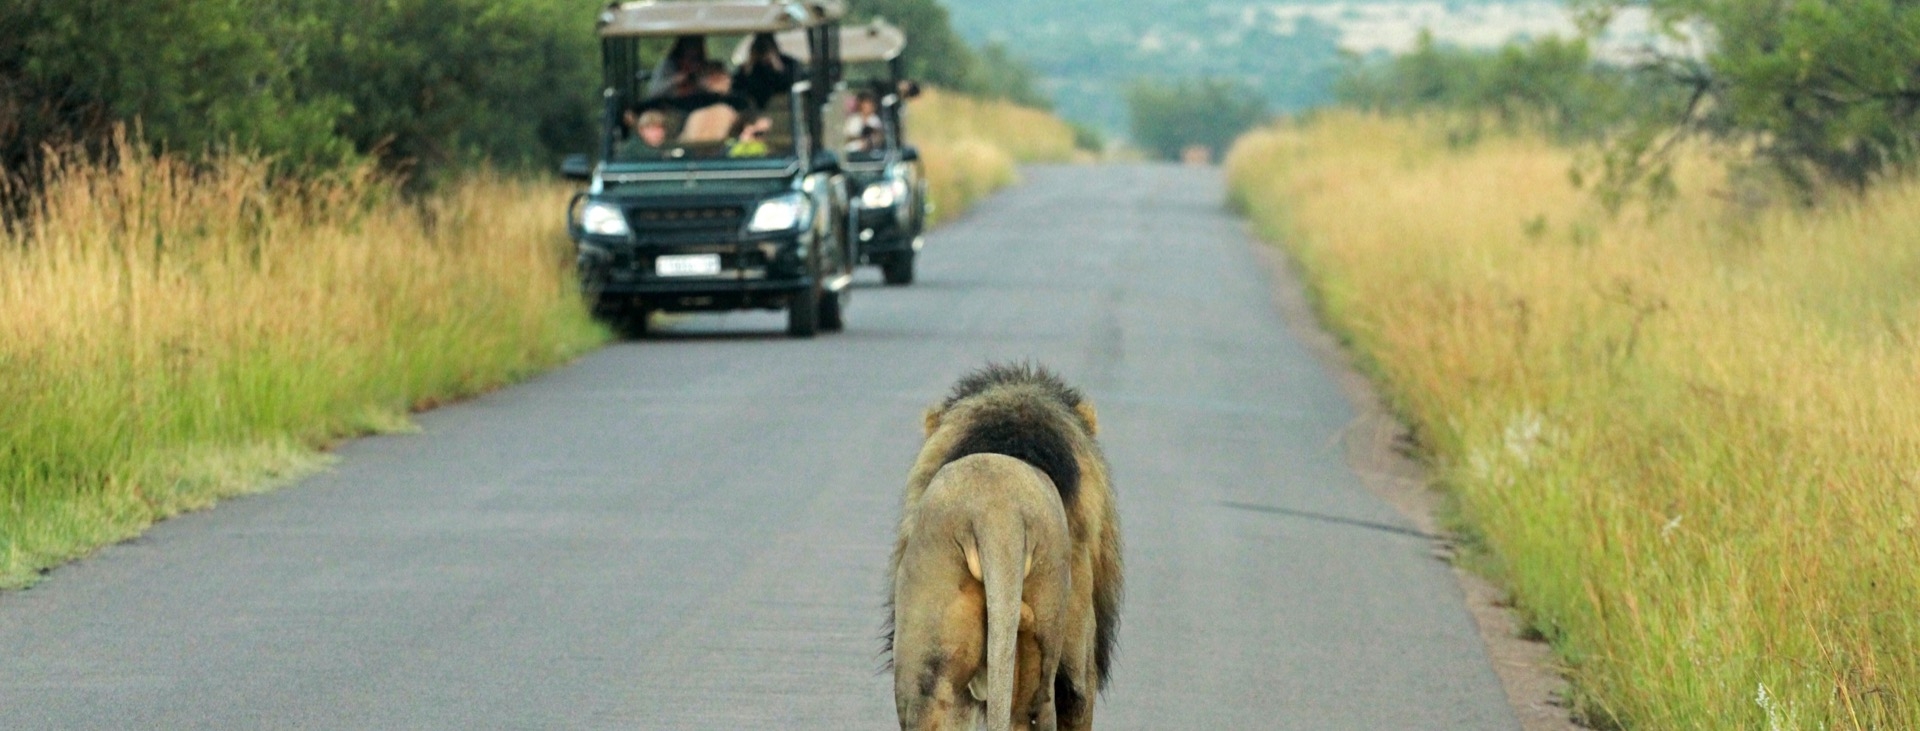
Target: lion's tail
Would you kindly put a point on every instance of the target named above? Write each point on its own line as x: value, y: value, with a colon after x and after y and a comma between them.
x: 998, y: 558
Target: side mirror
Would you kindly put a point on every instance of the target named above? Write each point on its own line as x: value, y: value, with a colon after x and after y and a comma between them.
x: 909, y: 89
x: 576, y: 167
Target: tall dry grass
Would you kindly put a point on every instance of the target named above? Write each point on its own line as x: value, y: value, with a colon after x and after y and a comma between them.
x: 1689, y: 444
x: 972, y: 147
x: 169, y: 336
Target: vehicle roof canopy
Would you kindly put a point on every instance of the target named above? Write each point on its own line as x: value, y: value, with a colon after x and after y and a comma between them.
x: 875, y: 41
x: 722, y: 17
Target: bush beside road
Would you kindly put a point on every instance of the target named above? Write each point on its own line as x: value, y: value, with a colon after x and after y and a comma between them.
x: 972, y: 146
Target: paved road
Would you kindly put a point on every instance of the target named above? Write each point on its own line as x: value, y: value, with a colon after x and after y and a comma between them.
x: 691, y: 532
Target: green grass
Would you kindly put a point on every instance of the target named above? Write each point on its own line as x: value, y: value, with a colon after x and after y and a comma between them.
x: 171, y: 336
x: 1688, y: 445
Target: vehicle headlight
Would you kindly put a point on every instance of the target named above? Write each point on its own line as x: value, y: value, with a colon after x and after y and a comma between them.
x: 883, y: 194
x: 785, y: 213
x: 603, y: 219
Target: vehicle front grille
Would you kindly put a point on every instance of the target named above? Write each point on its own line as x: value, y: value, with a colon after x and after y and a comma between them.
x: 686, y: 221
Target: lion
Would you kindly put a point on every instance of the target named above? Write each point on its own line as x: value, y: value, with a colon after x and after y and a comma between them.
x: 1027, y: 413
x: 989, y: 541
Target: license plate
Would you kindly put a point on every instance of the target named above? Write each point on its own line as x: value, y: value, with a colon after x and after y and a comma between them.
x: 687, y: 265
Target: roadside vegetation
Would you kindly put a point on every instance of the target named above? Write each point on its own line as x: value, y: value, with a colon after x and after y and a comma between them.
x: 172, y: 334
x: 216, y: 260
x: 972, y: 146
x: 1676, y: 419
x: 423, y: 88
x: 1170, y: 118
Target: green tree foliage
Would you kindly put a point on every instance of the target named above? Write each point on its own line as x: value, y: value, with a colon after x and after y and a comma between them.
x: 997, y: 74
x: 433, y: 83
x: 937, y: 55
x: 1088, y: 137
x: 1087, y: 53
x: 1169, y: 117
x: 421, y: 84
x: 1828, y: 90
x: 194, y: 74
x: 1550, y: 83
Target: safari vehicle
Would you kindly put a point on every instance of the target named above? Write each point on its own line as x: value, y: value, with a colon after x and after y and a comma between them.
x: 703, y: 199
x: 889, y: 186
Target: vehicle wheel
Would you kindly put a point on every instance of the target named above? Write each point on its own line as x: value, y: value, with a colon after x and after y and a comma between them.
x: 899, y: 269
x: 833, y: 306
x: 803, y: 313
x: 631, y: 324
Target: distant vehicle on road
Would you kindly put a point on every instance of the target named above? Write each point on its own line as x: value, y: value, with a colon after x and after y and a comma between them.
x: 890, y: 203
x: 706, y: 197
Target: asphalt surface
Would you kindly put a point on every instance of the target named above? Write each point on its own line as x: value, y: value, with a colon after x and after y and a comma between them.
x: 691, y: 532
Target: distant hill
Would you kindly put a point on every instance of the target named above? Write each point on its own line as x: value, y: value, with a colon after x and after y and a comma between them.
x: 1088, y: 51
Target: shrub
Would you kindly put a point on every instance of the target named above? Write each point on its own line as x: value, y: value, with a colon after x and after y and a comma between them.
x: 1828, y: 91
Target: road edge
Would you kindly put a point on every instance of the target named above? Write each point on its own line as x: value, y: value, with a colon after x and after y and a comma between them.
x: 1373, y: 448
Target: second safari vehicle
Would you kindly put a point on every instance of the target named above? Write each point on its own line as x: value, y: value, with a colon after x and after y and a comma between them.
x: 884, y: 172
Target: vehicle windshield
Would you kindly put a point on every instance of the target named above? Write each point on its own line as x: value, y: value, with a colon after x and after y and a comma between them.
x: 690, y: 106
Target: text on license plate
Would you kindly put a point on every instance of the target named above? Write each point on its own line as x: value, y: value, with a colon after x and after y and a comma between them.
x: 687, y: 265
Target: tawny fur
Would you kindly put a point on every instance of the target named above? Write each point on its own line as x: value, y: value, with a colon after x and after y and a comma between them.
x: 980, y: 599
x: 1030, y: 414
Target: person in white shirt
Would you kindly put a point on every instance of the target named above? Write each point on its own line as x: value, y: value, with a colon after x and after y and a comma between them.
x: 863, y: 128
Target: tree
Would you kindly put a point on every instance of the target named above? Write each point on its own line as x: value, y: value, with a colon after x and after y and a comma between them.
x: 193, y: 74
x: 432, y: 84
x: 1168, y: 118
x: 422, y: 85
x: 1826, y: 90
x: 935, y: 54
x: 997, y: 74
x: 1551, y: 84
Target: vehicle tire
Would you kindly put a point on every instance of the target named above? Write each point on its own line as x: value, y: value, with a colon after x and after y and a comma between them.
x: 833, y: 306
x: 899, y: 269
x: 803, y: 313
x: 632, y: 324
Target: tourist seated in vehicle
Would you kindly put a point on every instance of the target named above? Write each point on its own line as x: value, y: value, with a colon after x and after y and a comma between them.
x: 766, y: 73
x: 752, y: 140
x: 715, y: 109
x: 678, y: 72
x: 864, y: 129
x: 649, y: 138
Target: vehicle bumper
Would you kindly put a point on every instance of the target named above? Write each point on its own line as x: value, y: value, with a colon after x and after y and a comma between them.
x: 756, y: 273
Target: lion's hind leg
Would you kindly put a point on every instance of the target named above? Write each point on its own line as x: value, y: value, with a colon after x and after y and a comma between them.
x: 1038, y: 663
x: 938, y: 643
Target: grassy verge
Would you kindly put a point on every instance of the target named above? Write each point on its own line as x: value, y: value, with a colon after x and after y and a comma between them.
x: 1689, y: 445
x: 971, y: 146
x: 169, y: 337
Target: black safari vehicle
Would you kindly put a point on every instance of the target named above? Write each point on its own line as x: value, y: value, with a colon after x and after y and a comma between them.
x: 883, y: 171
x: 717, y: 187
